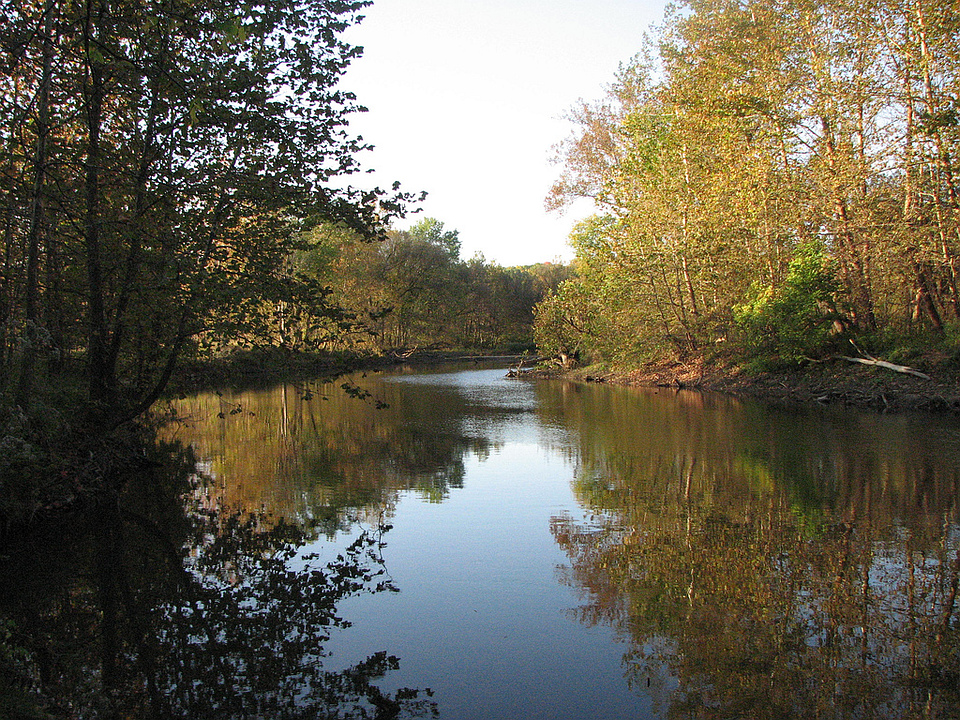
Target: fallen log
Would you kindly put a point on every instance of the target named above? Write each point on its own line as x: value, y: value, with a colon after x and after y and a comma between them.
x: 888, y: 365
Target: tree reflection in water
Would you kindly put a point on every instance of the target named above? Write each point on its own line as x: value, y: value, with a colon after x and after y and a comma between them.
x: 327, y: 455
x: 153, y: 605
x: 764, y: 569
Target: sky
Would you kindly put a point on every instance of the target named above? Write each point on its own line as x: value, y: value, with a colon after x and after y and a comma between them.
x: 467, y: 98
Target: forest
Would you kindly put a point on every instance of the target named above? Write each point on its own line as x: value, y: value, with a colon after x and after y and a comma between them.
x: 160, y: 164
x: 774, y: 179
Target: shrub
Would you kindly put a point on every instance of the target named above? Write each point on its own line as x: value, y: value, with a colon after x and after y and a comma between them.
x: 798, y: 320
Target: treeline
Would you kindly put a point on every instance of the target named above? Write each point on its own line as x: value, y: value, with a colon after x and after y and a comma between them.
x: 412, y: 290
x: 775, y: 176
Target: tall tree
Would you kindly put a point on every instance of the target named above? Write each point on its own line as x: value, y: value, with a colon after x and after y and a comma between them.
x: 195, y: 141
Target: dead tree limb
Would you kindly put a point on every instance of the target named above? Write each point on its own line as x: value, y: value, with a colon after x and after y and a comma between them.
x: 888, y: 365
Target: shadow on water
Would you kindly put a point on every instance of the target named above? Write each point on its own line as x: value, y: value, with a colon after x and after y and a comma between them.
x: 768, y: 564
x: 155, y: 602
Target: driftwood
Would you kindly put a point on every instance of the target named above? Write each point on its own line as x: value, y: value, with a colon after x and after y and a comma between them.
x: 404, y: 354
x: 888, y: 365
x: 525, y: 366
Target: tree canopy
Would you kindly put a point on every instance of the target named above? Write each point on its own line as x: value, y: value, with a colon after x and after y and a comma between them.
x: 412, y: 290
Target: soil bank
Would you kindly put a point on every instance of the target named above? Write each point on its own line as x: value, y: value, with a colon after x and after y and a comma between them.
x: 834, y: 382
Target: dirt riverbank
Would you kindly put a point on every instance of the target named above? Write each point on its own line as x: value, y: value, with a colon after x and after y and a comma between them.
x: 834, y: 382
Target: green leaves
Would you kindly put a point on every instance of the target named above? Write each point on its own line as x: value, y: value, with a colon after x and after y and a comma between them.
x: 412, y: 290
x: 796, y: 320
x: 772, y: 125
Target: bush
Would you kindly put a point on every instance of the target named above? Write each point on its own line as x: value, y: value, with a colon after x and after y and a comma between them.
x: 798, y: 320
x: 562, y: 320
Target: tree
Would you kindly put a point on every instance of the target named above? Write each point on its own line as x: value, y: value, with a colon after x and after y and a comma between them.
x: 412, y: 290
x: 498, y: 307
x: 193, y: 144
x: 431, y: 232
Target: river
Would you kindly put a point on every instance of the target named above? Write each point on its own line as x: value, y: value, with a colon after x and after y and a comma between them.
x: 561, y: 550
x: 458, y: 544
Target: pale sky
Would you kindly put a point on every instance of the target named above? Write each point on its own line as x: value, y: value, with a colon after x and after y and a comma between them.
x: 466, y: 99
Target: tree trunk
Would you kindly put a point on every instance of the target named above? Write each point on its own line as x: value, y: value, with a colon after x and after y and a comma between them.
x: 7, y: 287
x: 31, y: 334
x: 148, y: 155
x: 925, y: 300
x: 851, y: 258
x: 100, y: 374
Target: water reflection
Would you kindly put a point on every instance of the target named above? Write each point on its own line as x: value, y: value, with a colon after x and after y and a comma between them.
x: 154, y: 603
x: 749, y: 561
x: 766, y: 563
x: 332, y: 452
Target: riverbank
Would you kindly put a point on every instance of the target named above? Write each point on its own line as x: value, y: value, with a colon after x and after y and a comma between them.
x: 832, y: 382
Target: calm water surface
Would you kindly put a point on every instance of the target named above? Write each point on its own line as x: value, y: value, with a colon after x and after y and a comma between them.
x: 571, y: 551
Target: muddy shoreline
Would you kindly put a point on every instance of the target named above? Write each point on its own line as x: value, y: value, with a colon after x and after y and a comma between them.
x: 832, y: 382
